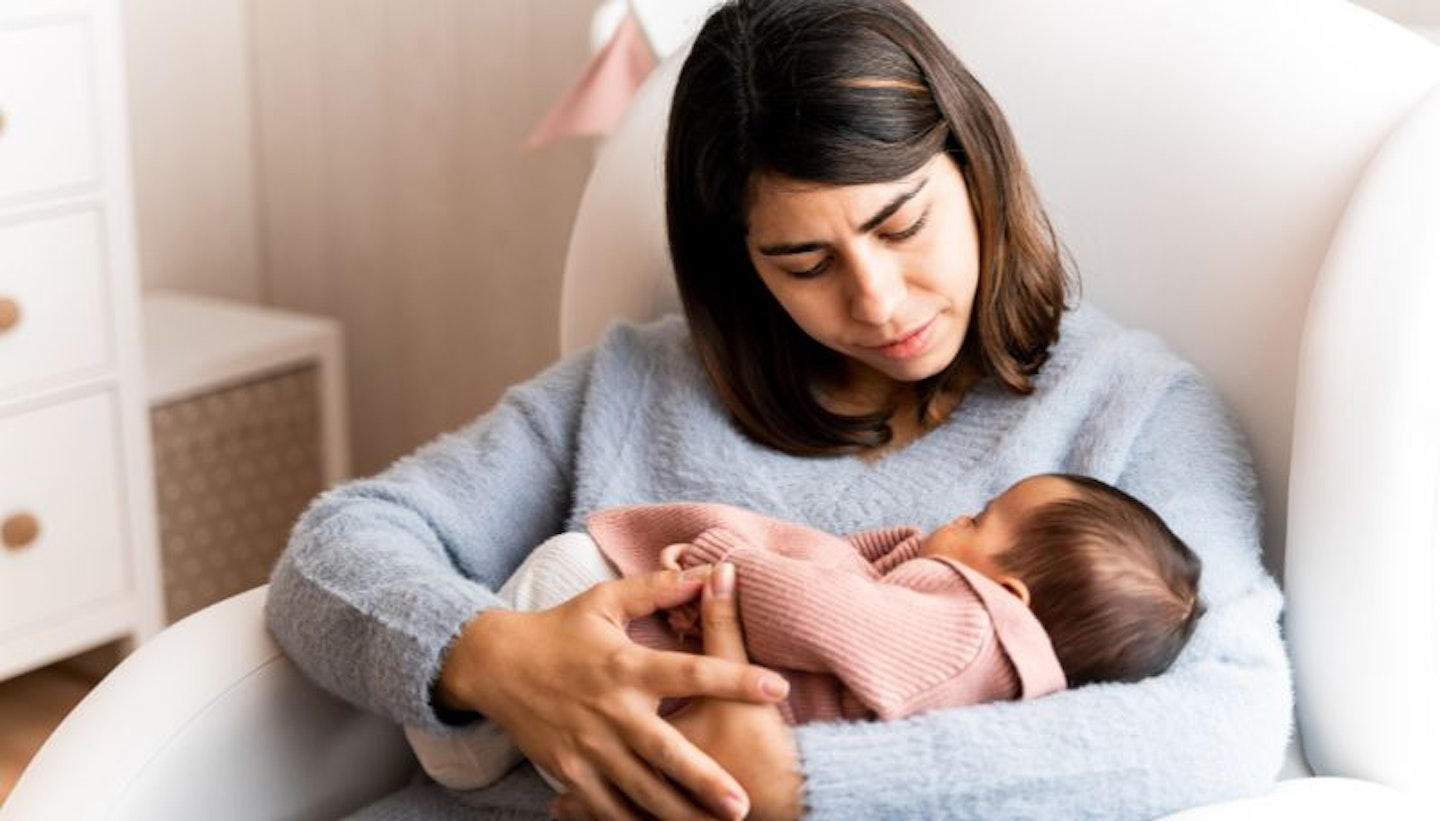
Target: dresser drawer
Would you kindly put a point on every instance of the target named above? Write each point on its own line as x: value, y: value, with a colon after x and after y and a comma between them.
x: 52, y: 298
x: 47, y: 109
x: 62, y: 473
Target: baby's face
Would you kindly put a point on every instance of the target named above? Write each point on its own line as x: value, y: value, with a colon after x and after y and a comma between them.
x: 980, y: 540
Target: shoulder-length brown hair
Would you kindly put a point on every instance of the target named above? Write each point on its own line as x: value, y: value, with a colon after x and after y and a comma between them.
x: 840, y: 92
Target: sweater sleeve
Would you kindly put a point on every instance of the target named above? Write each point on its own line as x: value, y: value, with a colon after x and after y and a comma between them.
x: 382, y: 573
x: 1212, y: 728
x: 893, y: 646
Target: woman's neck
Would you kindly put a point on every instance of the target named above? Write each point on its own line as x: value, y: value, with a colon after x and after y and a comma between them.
x: 866, y: 391
x: 907, y: 423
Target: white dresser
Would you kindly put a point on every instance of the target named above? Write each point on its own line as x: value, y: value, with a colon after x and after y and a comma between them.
x: 78, y: 555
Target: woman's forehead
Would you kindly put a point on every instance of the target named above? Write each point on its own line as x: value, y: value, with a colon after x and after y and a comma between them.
x: 778, y: 202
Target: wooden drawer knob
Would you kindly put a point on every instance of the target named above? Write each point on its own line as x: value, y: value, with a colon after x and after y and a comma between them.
x: 9, y: 314
x: 19, y: 530
x: 2, y: 122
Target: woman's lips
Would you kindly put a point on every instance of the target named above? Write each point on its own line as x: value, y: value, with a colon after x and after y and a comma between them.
x: 911, y: 344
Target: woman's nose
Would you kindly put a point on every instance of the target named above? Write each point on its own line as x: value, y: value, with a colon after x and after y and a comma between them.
x: 879, y: 288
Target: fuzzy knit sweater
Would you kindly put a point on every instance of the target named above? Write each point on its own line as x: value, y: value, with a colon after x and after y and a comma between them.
x: 381, y: 573
x: 863, y: 626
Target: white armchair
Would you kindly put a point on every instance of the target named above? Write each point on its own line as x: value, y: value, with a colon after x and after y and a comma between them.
x: 1256, y: 180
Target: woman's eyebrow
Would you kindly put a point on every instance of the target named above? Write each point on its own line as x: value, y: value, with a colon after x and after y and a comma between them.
x: 782, y: 249
x: 891, y: 207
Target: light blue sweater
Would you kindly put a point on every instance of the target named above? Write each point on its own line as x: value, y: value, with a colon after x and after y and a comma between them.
x: 381, y: 573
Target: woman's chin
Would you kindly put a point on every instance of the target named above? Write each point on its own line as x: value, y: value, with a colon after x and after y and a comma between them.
x: 903, y: 372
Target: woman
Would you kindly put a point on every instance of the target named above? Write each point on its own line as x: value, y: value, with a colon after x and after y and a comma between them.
x: 875, y: 328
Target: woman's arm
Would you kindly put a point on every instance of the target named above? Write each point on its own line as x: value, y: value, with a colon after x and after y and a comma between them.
x: 389, y: 580
x: 381, y: 573
x: 1213, y: 728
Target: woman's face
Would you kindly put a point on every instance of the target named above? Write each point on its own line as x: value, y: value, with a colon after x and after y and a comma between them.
x: 883, y: 273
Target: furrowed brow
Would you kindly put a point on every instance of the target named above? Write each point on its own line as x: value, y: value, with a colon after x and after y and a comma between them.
x: 783, y: 249
x: 891, y: 207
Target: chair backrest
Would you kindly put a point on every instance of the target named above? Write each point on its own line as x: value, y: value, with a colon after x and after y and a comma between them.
x: 1199, y: 160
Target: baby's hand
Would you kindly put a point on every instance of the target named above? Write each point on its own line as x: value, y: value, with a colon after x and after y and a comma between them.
x: 671, y: 555
x: 684, y: 620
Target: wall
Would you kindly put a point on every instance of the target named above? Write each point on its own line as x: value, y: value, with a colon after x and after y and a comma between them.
x: 194, y: 146
x: 361, y: 159
x: 396, y: 197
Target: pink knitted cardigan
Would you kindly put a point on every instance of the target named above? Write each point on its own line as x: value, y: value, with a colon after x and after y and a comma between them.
x: 863, y: 627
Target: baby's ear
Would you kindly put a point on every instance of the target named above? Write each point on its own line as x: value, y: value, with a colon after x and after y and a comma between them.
x: 1014, y: 585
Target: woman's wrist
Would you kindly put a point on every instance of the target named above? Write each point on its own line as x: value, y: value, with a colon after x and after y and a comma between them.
x: 459, y: 687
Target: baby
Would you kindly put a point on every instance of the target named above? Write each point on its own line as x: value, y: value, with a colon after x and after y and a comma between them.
x: 1060, y: 580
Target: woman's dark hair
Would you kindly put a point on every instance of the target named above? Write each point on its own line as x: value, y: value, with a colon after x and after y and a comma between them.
x: 1116, y: 590
x: 840, y: 92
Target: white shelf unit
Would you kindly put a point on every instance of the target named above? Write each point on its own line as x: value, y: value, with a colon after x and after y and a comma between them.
x: 78, y: 549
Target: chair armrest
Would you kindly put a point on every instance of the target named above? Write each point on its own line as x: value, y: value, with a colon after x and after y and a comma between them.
x: 1312, y: 798
x: 1361, y: 569
x: 210, y: 720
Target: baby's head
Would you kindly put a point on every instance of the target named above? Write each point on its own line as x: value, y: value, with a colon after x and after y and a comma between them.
x: 1115, y: 589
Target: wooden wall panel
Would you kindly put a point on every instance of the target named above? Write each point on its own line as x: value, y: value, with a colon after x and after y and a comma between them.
x: 193, y: 144
x: 395, y: 195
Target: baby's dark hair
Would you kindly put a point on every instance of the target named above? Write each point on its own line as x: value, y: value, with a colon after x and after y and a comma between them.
x: 1114, y: 587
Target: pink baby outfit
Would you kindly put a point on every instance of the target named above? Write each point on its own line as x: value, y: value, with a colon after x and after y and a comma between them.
x: 863, y: 626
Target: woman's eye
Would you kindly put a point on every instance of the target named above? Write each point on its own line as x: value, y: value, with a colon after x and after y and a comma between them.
x: 813, y: 271
x: 906, y: 233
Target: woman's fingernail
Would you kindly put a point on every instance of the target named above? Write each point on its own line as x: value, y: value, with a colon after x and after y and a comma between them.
x: 722, y: 583
x: 738, y: 805
x: 774, y: 686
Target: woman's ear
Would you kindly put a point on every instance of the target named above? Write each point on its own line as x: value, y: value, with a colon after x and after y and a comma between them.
x: 1014, y: 585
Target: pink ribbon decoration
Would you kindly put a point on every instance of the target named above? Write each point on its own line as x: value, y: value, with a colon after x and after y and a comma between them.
x: 594, y: 105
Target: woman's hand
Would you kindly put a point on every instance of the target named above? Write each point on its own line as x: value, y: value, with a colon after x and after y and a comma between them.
x: 580, y: 698
x: 750, y: 741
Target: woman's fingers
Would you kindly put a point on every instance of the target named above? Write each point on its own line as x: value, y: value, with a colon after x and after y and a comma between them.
x: 593, y: 797
x: 637, y: 763
x: 635, y: 596
x: 675, y: 757
x: 720, y: 618
x: 614, y: 782
x: 683, y: 675
x: 648, y: 789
